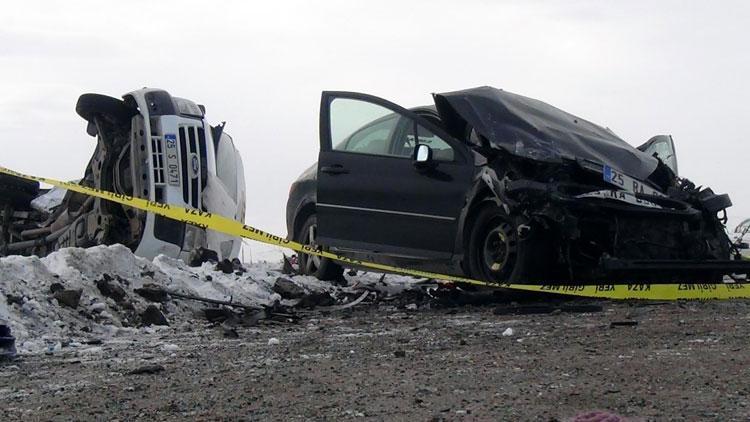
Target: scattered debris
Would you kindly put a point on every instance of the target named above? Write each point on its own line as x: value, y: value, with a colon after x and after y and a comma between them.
x: 225, y: 266
x: 316, y: 299
x: 287, y: 267
x: 200, y: 255
x: 153, y: 293
x: 147, y: 369
x: 581, y: 308
x: 220, y: 314
x: 351, y: 304
x: 288, y: 289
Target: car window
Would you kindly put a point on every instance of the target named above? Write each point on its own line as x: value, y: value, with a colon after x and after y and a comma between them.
x: 404, y: 145
x: 373, y: 138
x: 361, y: 127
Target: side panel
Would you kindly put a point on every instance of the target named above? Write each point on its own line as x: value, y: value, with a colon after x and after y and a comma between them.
x: 377, y: 200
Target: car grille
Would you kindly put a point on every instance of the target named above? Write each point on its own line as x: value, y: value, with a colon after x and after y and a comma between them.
x: 157, y: 158
x: 193, y: 163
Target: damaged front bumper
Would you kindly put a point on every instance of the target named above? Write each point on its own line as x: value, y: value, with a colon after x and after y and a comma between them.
x: 608, y: 235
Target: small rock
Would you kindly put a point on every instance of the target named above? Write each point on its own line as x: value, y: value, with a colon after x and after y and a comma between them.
x: 111, y: 289
x: 13, y: 299
x: 412, y: 307
x: 399, y: 354
x: 170, y: 347
x: 153, y: 316
x: 273, y: 341
x: 231, y: 333
x: 508, y: 332
x: 288, y: 289
x: 69, y: 298
x: 147, y: 369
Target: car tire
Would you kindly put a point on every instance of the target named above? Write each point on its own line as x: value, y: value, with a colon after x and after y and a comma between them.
x: 495, y: 253
x: 17, y: 192
x: 493, y: 245
x: 322, y: 268
x: 89, y: 105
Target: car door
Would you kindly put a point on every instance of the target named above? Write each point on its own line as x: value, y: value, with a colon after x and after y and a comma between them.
x: 370, y: 195
x: 663, y: 147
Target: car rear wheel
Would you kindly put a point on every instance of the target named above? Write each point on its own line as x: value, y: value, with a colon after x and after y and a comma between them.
x: 322, y: 268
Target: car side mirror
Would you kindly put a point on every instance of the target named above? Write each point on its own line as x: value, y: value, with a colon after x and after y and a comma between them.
x: 423, y: 156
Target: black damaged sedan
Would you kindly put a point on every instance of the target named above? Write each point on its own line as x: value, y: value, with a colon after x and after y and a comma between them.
x: 504, y: 188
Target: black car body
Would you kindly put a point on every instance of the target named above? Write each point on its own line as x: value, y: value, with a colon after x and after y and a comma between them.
x: 502, y: 187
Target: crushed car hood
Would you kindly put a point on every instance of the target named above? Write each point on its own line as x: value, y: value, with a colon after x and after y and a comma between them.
x: 533, y: 129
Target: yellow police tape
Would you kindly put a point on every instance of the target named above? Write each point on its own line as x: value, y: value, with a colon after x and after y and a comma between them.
x: 686, y: 291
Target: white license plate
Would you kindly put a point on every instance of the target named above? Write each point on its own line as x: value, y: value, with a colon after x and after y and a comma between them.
x: 620, y: 195
x: 173, y: 159
x: 623, y: 181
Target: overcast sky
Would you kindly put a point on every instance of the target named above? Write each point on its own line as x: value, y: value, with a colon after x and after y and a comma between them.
x: 638, y: 67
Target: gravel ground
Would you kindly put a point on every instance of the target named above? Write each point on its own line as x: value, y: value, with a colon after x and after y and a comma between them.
x: 681, y: 361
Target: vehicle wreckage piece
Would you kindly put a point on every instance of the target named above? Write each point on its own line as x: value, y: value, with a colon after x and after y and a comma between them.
x: 504, y: 188
x: 150, y: 145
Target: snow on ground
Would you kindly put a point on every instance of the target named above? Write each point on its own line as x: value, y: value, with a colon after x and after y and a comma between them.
x: 40, y: 323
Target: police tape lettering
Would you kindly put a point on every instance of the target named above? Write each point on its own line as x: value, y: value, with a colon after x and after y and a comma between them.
x: 207, y: 220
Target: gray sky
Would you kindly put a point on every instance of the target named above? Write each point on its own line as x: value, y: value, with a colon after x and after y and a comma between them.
x: 638, y: 67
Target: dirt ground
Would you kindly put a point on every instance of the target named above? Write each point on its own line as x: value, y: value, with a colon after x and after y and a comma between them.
x: 680, y: 361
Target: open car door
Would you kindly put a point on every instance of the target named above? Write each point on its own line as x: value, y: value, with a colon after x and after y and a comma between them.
x: 662, y: 146
x: 371, y: 194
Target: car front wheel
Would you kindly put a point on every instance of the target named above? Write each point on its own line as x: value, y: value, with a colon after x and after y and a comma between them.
x: 322, y: 268
x: 493, y: 246
x: 497, y: 253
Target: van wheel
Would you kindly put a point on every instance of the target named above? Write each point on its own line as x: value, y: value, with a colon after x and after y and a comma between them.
x: 322, y: 268
x: 17, y: 192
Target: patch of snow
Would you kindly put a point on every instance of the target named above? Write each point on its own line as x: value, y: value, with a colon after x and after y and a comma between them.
x: 37, y: 319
